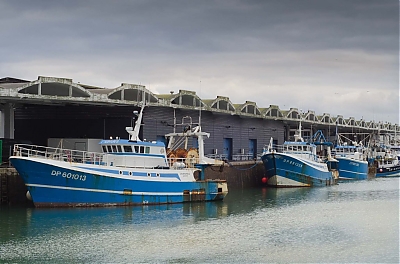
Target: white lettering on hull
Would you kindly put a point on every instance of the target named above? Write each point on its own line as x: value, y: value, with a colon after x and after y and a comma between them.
x: 69, y: 175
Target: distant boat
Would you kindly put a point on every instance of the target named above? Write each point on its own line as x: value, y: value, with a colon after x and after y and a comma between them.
x: 128, y: 172
x: 296, y: 164
x: 352, y: 164
x: 384, y: 155
x: 387, y: 162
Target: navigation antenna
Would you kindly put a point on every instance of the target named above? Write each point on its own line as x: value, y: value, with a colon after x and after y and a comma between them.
x: 134, y: 131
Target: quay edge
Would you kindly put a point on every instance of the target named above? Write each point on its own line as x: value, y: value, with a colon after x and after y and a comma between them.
x: 12, y: 189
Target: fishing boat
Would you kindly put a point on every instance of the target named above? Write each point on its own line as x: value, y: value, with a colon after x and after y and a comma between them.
x: 352, y: 163
x: 126, y: 172
x: 387, y: 161
x: 384, y: 155
x: 296, y: 164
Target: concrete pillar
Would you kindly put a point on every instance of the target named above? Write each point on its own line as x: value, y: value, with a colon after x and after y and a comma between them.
x: 7, y: 118
x: 287, y: 133
x: 1, y: 122
x: 40, y: 88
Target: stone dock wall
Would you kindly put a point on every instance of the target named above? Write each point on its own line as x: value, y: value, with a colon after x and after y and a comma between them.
x: 12, y: 189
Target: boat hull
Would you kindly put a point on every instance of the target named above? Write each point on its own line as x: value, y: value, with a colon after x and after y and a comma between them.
x: 351, y: 169
x: 285, y: 170
x: 60, y: 184
x: 393, y: 171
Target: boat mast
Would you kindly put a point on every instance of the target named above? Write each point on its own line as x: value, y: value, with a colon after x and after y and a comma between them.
x: 298, y: 137
x: 134, y: 131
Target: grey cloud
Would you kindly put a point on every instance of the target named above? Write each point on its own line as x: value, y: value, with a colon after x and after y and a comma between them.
x: 235, y: 48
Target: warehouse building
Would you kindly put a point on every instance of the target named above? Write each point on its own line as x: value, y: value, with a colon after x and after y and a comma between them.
x: 50, y: 107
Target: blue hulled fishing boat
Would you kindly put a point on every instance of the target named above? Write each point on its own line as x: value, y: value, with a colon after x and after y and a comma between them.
x: 352, y: 163
x: 296, y: 164
x: 127, y: 172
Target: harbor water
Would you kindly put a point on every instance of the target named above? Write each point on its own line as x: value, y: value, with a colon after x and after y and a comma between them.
x: 349, y: 222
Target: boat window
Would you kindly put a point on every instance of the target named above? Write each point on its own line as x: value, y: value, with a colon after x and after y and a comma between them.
x: 109, y: 148
x: 141, y: 149
x: 119, y: 148
x: 104, y: 149
x: 127, y: 149
x: 147, y: 150
x: 114, y: 148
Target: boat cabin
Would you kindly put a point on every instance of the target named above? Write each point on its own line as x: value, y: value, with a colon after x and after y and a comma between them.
x: 353, y: 152
x: 300, y: 149
x: 126, y: 153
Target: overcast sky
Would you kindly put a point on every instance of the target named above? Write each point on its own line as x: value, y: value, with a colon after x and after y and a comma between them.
x: 331, y: 56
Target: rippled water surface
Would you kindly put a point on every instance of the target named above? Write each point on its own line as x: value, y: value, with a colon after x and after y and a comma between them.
x: 348, y: 222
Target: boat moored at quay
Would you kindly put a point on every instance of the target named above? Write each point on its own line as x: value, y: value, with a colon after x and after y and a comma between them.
x: 384, y: 155
x: 296, y: 164
x: 127, y: 172
x: 352, y: 162
x: 387, y: 162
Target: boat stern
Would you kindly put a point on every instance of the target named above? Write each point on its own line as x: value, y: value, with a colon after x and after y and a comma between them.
x: 222, y: 187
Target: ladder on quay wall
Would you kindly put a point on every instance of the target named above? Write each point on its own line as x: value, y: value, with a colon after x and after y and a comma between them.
x: 3, y: 189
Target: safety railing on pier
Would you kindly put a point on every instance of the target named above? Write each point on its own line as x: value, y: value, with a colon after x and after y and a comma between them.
x: 235, y: 157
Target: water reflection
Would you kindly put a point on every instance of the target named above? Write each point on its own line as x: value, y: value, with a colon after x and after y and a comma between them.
x: 22, y: 222
x: 251, y: 225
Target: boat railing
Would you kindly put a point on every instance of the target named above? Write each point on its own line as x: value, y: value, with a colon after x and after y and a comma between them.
x: 60, y: 154
x: 95, y: 158
x: 299, y: 153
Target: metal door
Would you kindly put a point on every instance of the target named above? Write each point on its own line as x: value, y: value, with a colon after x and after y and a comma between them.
x: 228, y: 148
x: 252, y: 148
